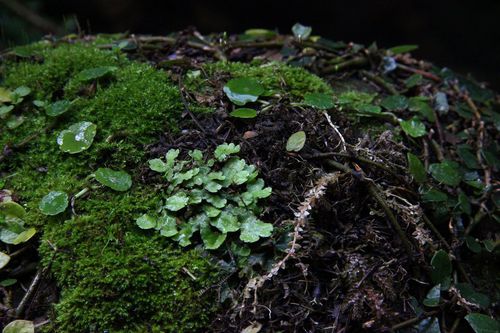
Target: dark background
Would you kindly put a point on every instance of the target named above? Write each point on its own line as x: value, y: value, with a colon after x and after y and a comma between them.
x: 462, y: 36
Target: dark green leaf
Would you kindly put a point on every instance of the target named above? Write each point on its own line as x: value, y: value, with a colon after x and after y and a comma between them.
x: 416, y: 168
x: 402, y: 49
x: 446, y: 172
x: 417, y: 104
x: 212, y: 239
x: 116, y: 180
x: 395, y: 102
x: 473, y: 244
x: 481, y: 323
x: 413, y: 127
x: 243, y: 90
x: 470, y: 160
x: 467, y: 292
x: 318, y: 100
x: 54, y: 203
x: 77, y: 138
x: 414, y: 80
x: 57, y: 108
x: 245, y: 113
x: 441, y: 267
x: 95, y: 73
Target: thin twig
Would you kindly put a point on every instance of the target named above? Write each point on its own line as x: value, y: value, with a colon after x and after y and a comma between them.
x: 381, y: 82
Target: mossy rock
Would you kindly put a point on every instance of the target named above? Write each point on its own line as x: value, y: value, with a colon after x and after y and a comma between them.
x: 114, y: 276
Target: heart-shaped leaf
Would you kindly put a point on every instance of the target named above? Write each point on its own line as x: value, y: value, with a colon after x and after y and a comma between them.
x: 319, y: 100
x: 481, y: 323
x: 77, y: 138
x: 296, y: 141
x: 226, y: 222
x: 301, y: 31
x: 413, y: 127
x: 146, y: 222
x: 57, y: 108
x: 244, y: 113
x: 54, y: 203
x: 243, y: 90
x: 116, y: 180
x: 252, y: 229
x: 158, y: 165
x: 212, y: 239
x: 19, y: 326
x: 95, y: 73
x: 446, y: 172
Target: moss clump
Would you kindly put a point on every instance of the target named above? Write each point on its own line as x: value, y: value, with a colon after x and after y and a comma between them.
x: 112, y: 275
x: 274, y: 76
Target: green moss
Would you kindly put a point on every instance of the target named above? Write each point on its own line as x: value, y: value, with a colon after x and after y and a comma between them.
x: 112, y: 274
x: 274, y: 76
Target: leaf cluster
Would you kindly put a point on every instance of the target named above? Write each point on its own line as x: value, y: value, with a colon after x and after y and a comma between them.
x: 215, y: 197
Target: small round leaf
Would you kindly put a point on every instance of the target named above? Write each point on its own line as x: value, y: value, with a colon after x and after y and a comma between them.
x: 54, y: 203
x: 296, y: 141
x: 245, y: 113
x: 57, y: 108
x: 77, y: 138
x: 116, y: 180
x: 19, y: 326
x: 413, y: 127
x: 146, y: 222
x: 95, y: 73
x: 243, y: 90
x: 12, y: 208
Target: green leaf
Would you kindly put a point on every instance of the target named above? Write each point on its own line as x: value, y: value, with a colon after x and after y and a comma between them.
x: 464, y: 202
x: 416, y: 168
x: 473, y: 244
x: 19, y: 326
x: 319, y: 100
x: 368, y: 108
x: 394, y: 103
x: 402, y: 49
x: 414, y: 80
x: 223, y: 151
x: 433, y: 296
x: 441, y: 267
x: 8, y: 282
x: 5, y: 109
x: 243, y: 90
x: 470, y: 160
x: 216, y: 201
x: 12, y: 208
x: 245, y: 113
x: 481, y: 323
x: 146, y: 222
x: 252, y: 229
x: 186, y: 232
x: 296, y: 141
x: 22, y: 91
x: 24, y: 236
x: 4, y: 259
x: 177, y: 201
x: 300, y: 31
x: 467, y: 292
x: 211, y: 211
x: 167, y: 225
x: 446, y: 172
x: 95, y: 73
x: 420, y: 105
x: 157, y: 165
x: 226, y: 222
x: 5, y: 95
x: 77, y: 138
x: 57, y: 108
x: 15, y: 122
x: 54, y: 203
x: 116, y: 180
x: 212, y: 239
x: 171, y: 156
x: 413, y: 127
x: 196, y: 155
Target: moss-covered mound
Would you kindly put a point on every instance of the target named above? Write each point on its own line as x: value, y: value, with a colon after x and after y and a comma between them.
x: 381, y: 168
